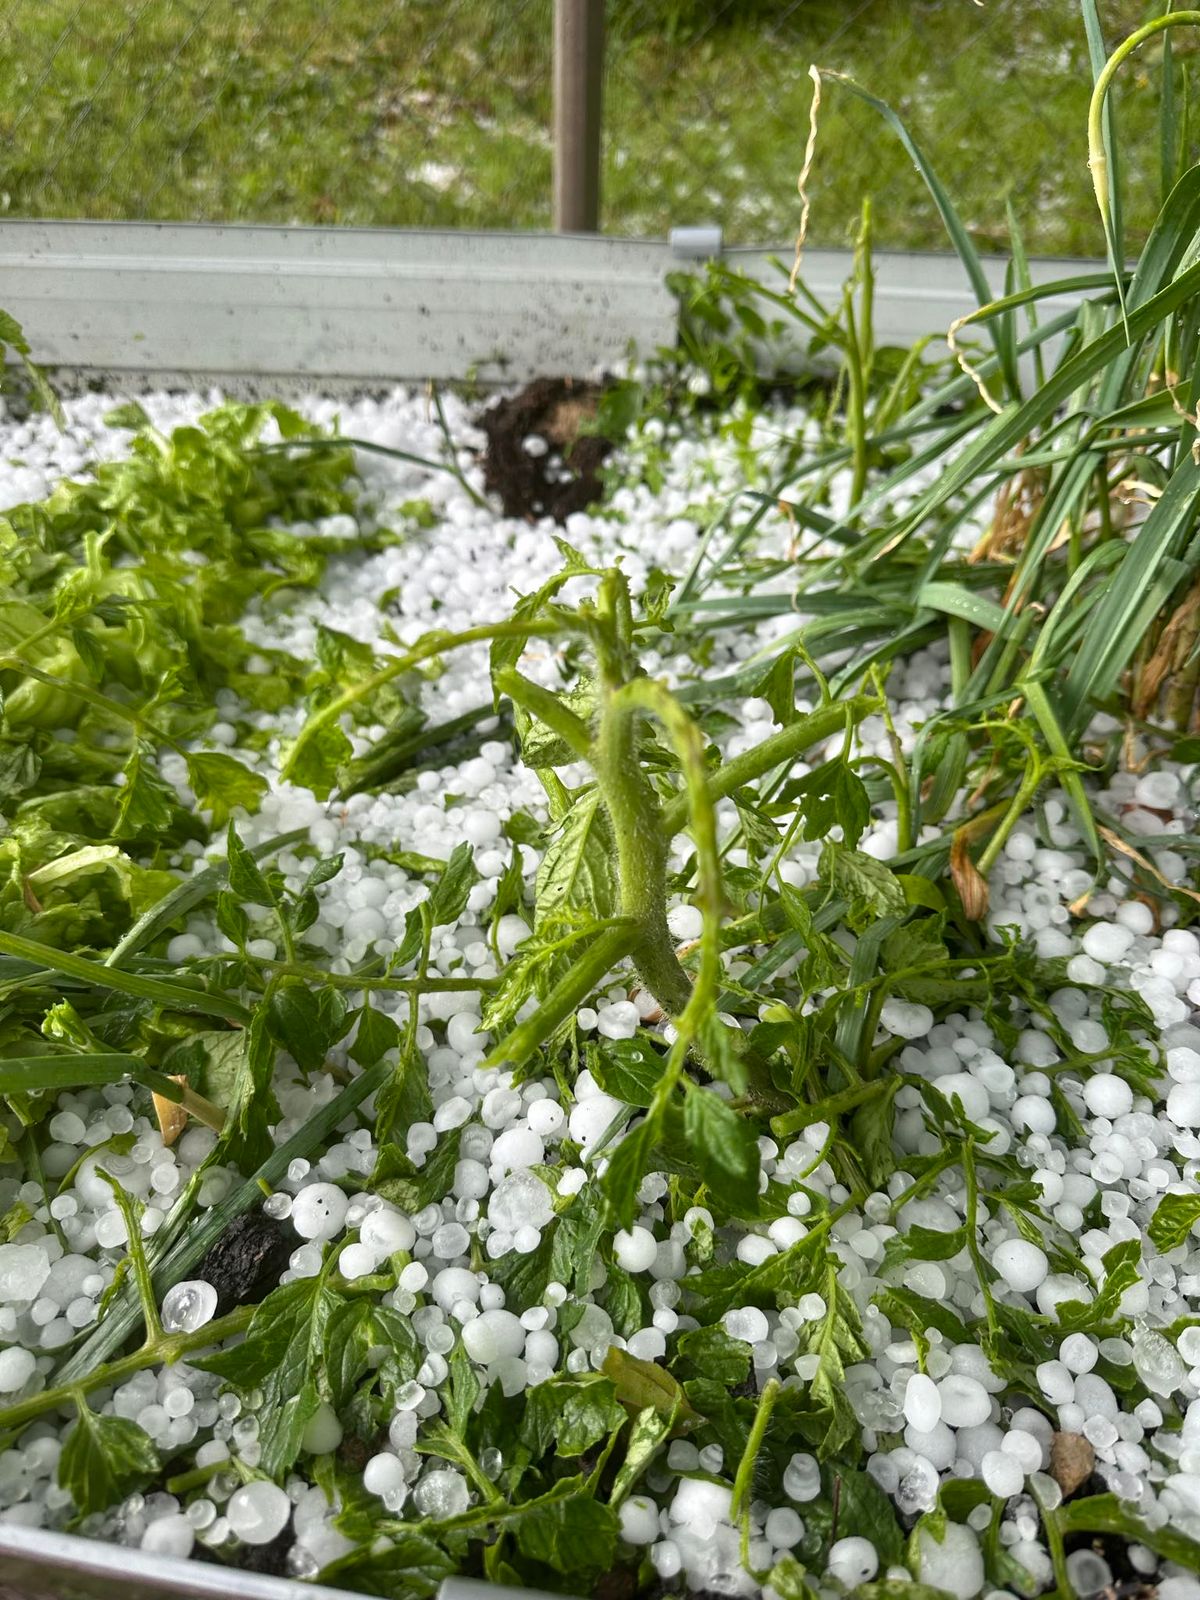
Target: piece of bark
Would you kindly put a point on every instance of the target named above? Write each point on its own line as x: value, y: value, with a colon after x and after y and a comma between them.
x: 1072, y: 1461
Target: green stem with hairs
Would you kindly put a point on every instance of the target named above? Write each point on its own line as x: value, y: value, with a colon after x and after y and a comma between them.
x: 1056, y: 1546
x: 137, y: 1255
x: 548, y: 708
x: 567, y: 995
x: 972, y: 1222
x: 643, y: 828
x: 744, y: 1477
x: 165, y: 1349
x: 655, y: 699
x: 1031, y: 780
x: 785, y: 746
x: 432, y: 646
x: 642, y: 844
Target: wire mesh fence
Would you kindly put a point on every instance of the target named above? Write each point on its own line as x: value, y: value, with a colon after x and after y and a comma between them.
x: 438, y: 113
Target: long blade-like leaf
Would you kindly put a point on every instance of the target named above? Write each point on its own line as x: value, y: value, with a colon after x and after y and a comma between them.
x: 172, y: 1263
x: 959, y: 237
x: 177, y: 996
x: 23, y: 1074
x: 185, y: 897
x: 1098, y: 56
x: 1132, y: 598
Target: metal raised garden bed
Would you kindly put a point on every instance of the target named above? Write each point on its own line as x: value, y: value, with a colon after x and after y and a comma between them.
x: 39, y: 1565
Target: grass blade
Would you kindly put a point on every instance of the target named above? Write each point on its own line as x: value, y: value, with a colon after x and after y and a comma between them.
x: 186, y: 897
x: 1098, y: 57
x: 1168, y: 122
x: 959, y: 237
x: 168, y: 1265
x: 1016, y: 422
x: 1140, y: 587
x: 22, y: 1074
x: 176, y: 996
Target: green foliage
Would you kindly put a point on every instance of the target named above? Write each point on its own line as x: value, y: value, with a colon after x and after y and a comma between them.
x: 13, y: 338
x: 766, y: 1027
x: 102, y: 1459
x: 1174, y: 1218
x: 724, y: 1148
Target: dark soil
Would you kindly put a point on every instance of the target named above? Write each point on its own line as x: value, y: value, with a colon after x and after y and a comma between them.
x: 271, y: 1559
x: 246, y: 1261
x: 619, y: 1584
x: 553, y: 409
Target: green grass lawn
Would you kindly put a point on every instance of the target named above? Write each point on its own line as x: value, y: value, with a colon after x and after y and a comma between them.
x: 436, y: 113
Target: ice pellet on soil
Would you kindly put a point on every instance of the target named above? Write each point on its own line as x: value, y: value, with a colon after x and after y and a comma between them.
x: 906, y: 1019
x: 357, y: 1261
x: 1157, y: 1362
x: 748, y: 1324
x: 853, y: 1561
x: 635, y: 1249
x: 520, y: 1201
x: 685, y: 922
x: 1089, y: 1573
x: 783, y: 1528
x: 1078, y: 1352
x: 384, y: 1473
x: 953, y: 1563
x: 442, y: 1493
x: 965, y: 1401
x: 319, y: 1211
x: 618, y: 1021
x: 802, y: 1478
x: 24, y: 1268
x: 322, y: 1431
x: 639, y: 1520
x: 1183, y: 1105
x: 918, y: 1486
x: 493, y: 1335
x: 17, y: 1366
x: 590, y: 1118
x: 171, y: 1535
x: 258, y: 1512
x: 1106, y: 1095
x: 1024, y: 1447
x: 1021, y: 1264
x: 922, y: 1402
x: 188, y: 1305
x: 1002, y: 1473
x: 1107, y: 942
x: 699, y: 1506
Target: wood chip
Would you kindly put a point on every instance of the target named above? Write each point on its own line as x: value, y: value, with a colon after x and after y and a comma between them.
x: 1072, y: 1461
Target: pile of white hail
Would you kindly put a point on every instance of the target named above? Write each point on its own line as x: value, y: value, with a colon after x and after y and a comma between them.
x: 921, y: 1422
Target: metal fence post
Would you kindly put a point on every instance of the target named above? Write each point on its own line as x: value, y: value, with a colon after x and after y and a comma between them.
x: 578, y: 77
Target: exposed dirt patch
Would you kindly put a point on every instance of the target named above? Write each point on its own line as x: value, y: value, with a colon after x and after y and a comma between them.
x: 564, y: 477
x: 619, y: 1584
x: 245, y: 1262
x: 270, y: 1559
